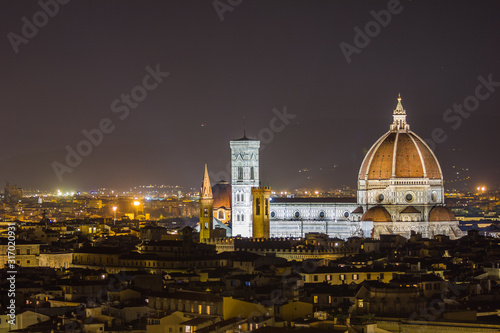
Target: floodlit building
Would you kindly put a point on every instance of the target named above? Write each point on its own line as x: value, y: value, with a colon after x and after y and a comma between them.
x: 400, y: 190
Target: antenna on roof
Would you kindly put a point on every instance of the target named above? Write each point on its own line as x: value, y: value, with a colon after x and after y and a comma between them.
x: 244, y: 127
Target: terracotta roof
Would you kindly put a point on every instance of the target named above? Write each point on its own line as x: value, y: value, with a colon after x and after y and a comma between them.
x: 358, y: 210
x: 440, y: 213
x: 377, y: 214
x: 410, y: 209
x: 222, y: 195
x: 402, y: 155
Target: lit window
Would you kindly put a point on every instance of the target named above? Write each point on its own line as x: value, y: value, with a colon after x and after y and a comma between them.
x: 342, y: 277
x: 330, y: 299
x: 200, y: 309
x: 355, y: 276
x: 315, y: 299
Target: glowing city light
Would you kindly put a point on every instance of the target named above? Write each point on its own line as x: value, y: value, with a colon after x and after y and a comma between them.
x: 136, y: 203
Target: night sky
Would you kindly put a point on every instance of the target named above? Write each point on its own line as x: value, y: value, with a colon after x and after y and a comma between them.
x: 263, y: 55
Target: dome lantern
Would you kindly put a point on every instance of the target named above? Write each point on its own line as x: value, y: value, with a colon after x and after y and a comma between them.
x: 399, y: 123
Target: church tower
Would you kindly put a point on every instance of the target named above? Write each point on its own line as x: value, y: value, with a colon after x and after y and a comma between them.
x: 244, y: 176
x: 206, y: 208
x: 260, y: 226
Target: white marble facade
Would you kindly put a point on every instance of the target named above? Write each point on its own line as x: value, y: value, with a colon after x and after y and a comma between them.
x: 244, y: 176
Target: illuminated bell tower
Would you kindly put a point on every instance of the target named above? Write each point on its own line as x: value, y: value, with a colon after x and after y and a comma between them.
x: 244, y: 176
x: 261, y: 218
x: 206, y: 208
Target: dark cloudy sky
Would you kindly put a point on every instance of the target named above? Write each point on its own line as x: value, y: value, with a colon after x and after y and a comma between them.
x: 265, y: 54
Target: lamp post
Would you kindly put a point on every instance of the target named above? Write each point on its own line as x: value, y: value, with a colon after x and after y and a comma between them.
x: 114, y: 215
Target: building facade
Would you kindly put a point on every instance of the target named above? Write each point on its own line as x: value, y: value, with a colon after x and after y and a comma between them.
x: 400, y: 190
x: 244, y: 176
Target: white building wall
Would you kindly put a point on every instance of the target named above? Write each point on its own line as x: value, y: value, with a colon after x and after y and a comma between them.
x: 244, y: 176
x: 333, y: 219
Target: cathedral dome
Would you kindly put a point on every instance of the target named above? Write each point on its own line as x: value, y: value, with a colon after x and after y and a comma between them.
x: 222, y: 195
x: 440, y: 213
x: 400, y: 153
x: 377, y: 214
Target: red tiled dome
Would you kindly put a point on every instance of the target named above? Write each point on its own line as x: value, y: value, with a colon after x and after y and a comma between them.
x: 400, y: 155
x: 440, y: 213
x: 222, y: 195
x: 377, y: 214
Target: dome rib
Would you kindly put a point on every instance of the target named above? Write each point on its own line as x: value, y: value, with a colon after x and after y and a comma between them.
x: 432, y: 166
x: 407, y: 164
x: 382, y: 159
x: 424, y: 168
x: 394, y: 154
x: 364, y: 170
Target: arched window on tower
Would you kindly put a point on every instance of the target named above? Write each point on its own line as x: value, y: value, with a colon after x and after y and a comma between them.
x: 221, y: 215
x: 252, y: 173
x: 240, y: 173
x: 266, y: 212
x: 257, y: 206
x: 205, y: 212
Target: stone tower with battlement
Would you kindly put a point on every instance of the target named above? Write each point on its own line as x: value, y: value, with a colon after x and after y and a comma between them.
x: 261, y: 218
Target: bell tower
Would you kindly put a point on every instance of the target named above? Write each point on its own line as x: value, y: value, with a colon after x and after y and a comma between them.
x: 261, y: 217
x: 244, y: 176
x: 206, y: 208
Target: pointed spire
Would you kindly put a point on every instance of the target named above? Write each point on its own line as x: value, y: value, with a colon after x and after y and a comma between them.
x: 206, y: 189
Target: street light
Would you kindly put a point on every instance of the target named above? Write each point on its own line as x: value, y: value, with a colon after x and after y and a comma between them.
x: 136, y: 205
x: 114, y: 214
